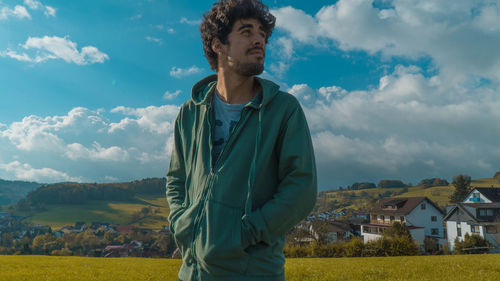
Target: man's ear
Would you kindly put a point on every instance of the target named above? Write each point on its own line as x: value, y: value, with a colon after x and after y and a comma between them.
x: 217, y: 46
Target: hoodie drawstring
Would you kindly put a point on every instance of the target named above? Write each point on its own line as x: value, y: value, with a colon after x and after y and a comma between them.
x: 251, y: 178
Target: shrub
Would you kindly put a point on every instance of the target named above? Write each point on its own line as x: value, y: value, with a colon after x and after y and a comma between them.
x: 472, y: 244
x: 327, y: 250
x: 296, y: 251
x: 62, y: 252
x: 354, y: 248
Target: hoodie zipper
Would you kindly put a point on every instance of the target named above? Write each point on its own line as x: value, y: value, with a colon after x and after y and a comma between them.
x: 208, y: 186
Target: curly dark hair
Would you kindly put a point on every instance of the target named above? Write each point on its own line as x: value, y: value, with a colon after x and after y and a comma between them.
x: 219, y: 21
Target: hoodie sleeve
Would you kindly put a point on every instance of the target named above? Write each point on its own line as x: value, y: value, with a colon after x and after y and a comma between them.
x: 297, y: 189
x: 176, y: 177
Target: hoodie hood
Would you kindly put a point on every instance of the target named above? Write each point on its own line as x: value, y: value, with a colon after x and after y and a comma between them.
x: 202, y: 91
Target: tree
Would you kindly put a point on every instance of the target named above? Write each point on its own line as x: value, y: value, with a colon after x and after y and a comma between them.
x: 462, y: 188
x: 431, y: 246
x: 497, y: 176
x: 397, y: 229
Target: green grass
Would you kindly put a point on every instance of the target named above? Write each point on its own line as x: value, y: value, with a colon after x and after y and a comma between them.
x: 120, y: 213
x: 439, y: 194
x: 465, y: 267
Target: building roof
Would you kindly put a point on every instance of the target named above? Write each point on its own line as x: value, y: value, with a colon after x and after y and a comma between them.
x: 125, y: 228
x: 400, y: 206
x: 388, y: 225
x: 463, y: 209
x: 475, y: 219
x: 492, y: 193
x: 331, y: 226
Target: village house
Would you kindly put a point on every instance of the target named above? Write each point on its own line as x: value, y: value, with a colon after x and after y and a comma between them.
x: 422, y: 217
x: 122, y: 251
x: 331, y: 231
x: 478, y: 213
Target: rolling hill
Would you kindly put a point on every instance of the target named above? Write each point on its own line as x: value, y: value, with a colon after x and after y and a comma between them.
x: 12, y: 191
x: 139, y: 203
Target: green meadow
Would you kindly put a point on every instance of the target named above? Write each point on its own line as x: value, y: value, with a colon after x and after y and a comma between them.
x: 119, y: 213
x: 455, y: 267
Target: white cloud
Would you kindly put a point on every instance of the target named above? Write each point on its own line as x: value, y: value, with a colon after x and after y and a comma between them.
x: 183, y: 72
x: 49, y: 11
x: 85, y: 145
x: 410, y: 127
x: 136, y: 17
x: 285, y: 50
x: 171, y: 95
x: 19, y: 12
x: 37, y: 5
x: 154, y: 39
x: 460, y: 36
x: 23, y: 171
x: 301, y: 26
x: 190, y: 22
x: 20, y: 57
x: 77, y: 151
x: 33, y: 4
x: 57, y: 48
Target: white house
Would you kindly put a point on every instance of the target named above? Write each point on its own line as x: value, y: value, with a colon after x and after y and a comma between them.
x: 422, y: 217
x: 478, y: 213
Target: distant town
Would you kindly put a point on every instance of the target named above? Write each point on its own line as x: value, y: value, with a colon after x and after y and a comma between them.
x: 363, y: 219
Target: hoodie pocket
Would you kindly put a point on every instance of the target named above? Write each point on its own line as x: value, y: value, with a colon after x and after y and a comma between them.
x: 183, y: 229
x: 218, y: 245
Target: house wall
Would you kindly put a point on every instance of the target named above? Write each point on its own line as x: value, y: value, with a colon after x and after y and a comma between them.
x: 494, y: 239
x: 451, y: 228
x: 422, y: 218
x: 482, y: 198
x: 367, y: 237
x: 418, y: 235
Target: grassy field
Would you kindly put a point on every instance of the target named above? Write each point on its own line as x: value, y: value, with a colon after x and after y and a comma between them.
x: 470, y: 267
x: 103, y: 211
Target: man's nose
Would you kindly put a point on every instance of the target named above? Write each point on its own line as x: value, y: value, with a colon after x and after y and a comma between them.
x: 259, y: 41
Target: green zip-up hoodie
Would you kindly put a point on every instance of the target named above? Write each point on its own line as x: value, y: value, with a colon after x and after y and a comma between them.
x: 229, y: 215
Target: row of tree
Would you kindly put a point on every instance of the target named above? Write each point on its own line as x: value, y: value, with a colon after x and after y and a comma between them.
x: 395, y: 184
x: 86, y: 243
x: 79, y: 193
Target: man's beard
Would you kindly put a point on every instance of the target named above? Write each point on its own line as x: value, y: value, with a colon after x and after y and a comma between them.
x: 249, y: 68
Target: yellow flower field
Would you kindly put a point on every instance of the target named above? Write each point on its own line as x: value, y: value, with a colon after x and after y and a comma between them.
x: 466, y: 267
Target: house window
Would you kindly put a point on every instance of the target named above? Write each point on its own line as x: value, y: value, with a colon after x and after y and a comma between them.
x: 434, y: 231
x: 382, y: 218
x: 422, y: 206
x: 459, y: 229
x: 434, y: 218
x: 392, y: 218
x: 402, y: 218
x: 485, y: 212
x: 491, y: 229
x: 374, y: 217
x: 474, y: 228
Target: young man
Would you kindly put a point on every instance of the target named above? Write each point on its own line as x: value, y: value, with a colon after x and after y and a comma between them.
x: 242, y: 170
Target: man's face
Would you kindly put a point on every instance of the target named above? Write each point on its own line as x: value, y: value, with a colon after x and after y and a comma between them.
x: 245, y: 50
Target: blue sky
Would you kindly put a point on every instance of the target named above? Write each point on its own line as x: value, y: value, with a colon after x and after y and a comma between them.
x: 391, y: 89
